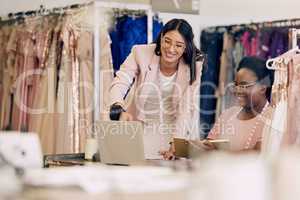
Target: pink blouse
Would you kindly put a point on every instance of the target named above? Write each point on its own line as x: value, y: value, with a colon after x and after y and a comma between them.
x: 242, y: 134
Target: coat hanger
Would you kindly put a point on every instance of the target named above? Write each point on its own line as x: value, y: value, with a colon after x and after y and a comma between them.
x: 272, y: 63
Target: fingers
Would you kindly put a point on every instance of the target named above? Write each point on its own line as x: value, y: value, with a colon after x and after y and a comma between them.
x: 203, y: 144
x: 167, y: 155
x: 123, y: 116
x: 208, y: 145
x: 162, y: 153
x: 126, y: 117
x: 130, y: 117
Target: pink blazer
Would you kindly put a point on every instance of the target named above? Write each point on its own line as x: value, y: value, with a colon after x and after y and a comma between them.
x: 142, y: 65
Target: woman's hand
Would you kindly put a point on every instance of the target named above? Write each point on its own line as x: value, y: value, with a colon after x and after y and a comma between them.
x: 125, y: 116
x: 207, y: 145
x: 169, y: 154
x: 118, y: 113
x: 203, y: 144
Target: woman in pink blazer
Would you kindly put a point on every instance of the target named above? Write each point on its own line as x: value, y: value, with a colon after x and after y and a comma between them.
x: 166, y: 76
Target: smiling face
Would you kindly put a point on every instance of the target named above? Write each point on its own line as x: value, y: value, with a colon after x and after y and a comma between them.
x: 172, y: 47
x: 247, y: 89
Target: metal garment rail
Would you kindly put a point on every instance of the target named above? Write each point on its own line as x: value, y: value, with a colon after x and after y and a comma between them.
x: 128, y: 6
x: 294, y: 35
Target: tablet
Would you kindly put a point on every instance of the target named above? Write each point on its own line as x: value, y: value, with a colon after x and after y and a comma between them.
x: 181, y: 146
x: 221, y: 144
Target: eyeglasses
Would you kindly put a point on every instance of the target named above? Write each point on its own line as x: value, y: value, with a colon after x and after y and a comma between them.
x: 168, y: 43
x: 234, y: 86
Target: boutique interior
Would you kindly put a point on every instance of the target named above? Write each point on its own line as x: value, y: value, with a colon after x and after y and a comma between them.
x: 149, y: 99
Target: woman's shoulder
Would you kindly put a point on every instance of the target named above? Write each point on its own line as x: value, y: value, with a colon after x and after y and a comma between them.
x: 143, y: 53
x: 144, y: 48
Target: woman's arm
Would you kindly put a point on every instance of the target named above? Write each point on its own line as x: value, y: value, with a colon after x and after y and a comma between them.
x: 195, y: 101
x: 124, y: 79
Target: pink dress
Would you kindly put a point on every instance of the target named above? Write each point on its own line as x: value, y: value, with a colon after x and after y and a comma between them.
x: 242, y: 134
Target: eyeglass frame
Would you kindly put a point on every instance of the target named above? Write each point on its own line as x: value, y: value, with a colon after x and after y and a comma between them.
x: 170, y: 44
x: 242, y: 86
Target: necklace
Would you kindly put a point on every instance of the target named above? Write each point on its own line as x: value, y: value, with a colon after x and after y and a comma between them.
x: 253, y: 129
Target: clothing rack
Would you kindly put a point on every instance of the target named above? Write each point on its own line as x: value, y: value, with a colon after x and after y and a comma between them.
x: 277, y: 23
x: 113, y: 5
x: 294, y: 35
x: 42, y: 11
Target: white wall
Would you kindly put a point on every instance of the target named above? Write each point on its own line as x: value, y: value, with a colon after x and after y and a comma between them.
x: 192, y: 19
x: 250, y: 9
x: 226, y: 12
x: 212, y: 12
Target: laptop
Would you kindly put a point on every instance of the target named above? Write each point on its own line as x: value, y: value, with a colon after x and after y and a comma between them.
x: 120, y: 142
x: 21, y: 149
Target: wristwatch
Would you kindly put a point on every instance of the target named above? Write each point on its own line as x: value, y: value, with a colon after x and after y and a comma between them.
x: 115, y: 111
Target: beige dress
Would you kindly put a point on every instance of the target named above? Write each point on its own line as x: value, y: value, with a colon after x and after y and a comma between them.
x: 67, y: 141
x: 44, y: 35
x: 225, y: 97
x: 6, y: 68
x: 8, y: 80
x: 45, y: 124
x: 86, y: 87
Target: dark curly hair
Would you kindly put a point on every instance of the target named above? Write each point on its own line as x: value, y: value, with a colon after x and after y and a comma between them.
x: 263, y: 74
